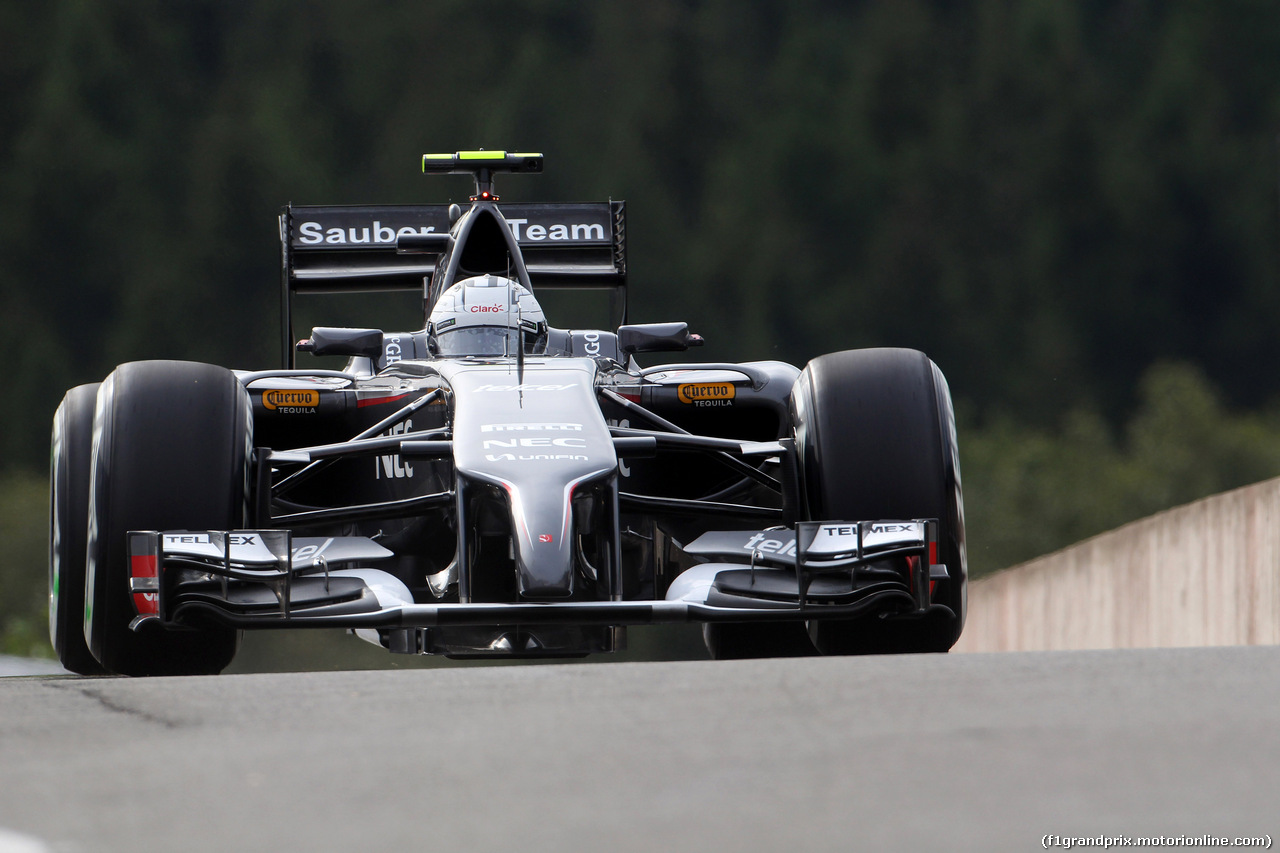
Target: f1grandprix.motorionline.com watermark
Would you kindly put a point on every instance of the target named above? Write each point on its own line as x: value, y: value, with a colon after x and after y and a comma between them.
x: 1108, y: 841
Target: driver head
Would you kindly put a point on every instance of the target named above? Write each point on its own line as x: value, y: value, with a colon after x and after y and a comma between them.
x: 483, y: 316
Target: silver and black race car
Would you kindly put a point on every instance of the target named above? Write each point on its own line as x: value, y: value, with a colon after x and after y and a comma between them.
x: 493, y: 486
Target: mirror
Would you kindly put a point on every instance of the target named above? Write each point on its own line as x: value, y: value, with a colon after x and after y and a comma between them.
x: 656, y: 337
x: 331, y: 340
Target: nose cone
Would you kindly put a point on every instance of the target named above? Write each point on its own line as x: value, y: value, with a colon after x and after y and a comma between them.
x: 538, y: 436
x: 543, y: 544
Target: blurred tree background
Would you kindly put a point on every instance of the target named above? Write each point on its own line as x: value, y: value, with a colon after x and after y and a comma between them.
x: 1071, y: 205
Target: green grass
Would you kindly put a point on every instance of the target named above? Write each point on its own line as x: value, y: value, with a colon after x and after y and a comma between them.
x: 24, y: 561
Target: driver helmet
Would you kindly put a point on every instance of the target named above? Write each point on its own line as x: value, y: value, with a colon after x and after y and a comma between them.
x: 485, y: 315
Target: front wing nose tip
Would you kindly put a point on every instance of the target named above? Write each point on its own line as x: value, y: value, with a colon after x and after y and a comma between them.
x: 544, y: 571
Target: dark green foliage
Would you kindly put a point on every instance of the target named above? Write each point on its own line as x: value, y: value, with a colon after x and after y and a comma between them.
x: 1045, y: 196
x: 1029, y: 491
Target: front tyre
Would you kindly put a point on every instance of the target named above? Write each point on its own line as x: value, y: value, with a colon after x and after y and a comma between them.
x: 171, y: 450
x: 876, y: 435
x: 69, y: 482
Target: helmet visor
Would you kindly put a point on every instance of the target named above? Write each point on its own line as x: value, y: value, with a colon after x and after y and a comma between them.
x: 479, y: 340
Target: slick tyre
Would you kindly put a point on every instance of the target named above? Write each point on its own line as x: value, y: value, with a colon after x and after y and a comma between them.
x: 171, y: 448
x: 875, y: 431
x: 72, y: 447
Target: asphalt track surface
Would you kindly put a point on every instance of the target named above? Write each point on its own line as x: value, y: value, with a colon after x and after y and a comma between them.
x: 932, y: 752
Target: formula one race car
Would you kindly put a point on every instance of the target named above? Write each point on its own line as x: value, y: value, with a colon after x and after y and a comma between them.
x: 493, y: 486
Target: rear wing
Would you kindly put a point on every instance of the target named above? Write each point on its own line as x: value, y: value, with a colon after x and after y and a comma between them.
x: 353, y: 248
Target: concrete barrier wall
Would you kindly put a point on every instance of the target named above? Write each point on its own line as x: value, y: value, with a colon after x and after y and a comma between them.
x: 1204, y: 574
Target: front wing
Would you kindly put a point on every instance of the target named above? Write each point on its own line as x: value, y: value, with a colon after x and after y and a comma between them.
x: 268, y: 579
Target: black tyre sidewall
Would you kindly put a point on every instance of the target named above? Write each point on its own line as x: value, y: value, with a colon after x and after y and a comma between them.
x: 69, y: 473
x: 876, y: 434
x: 171, y: 450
